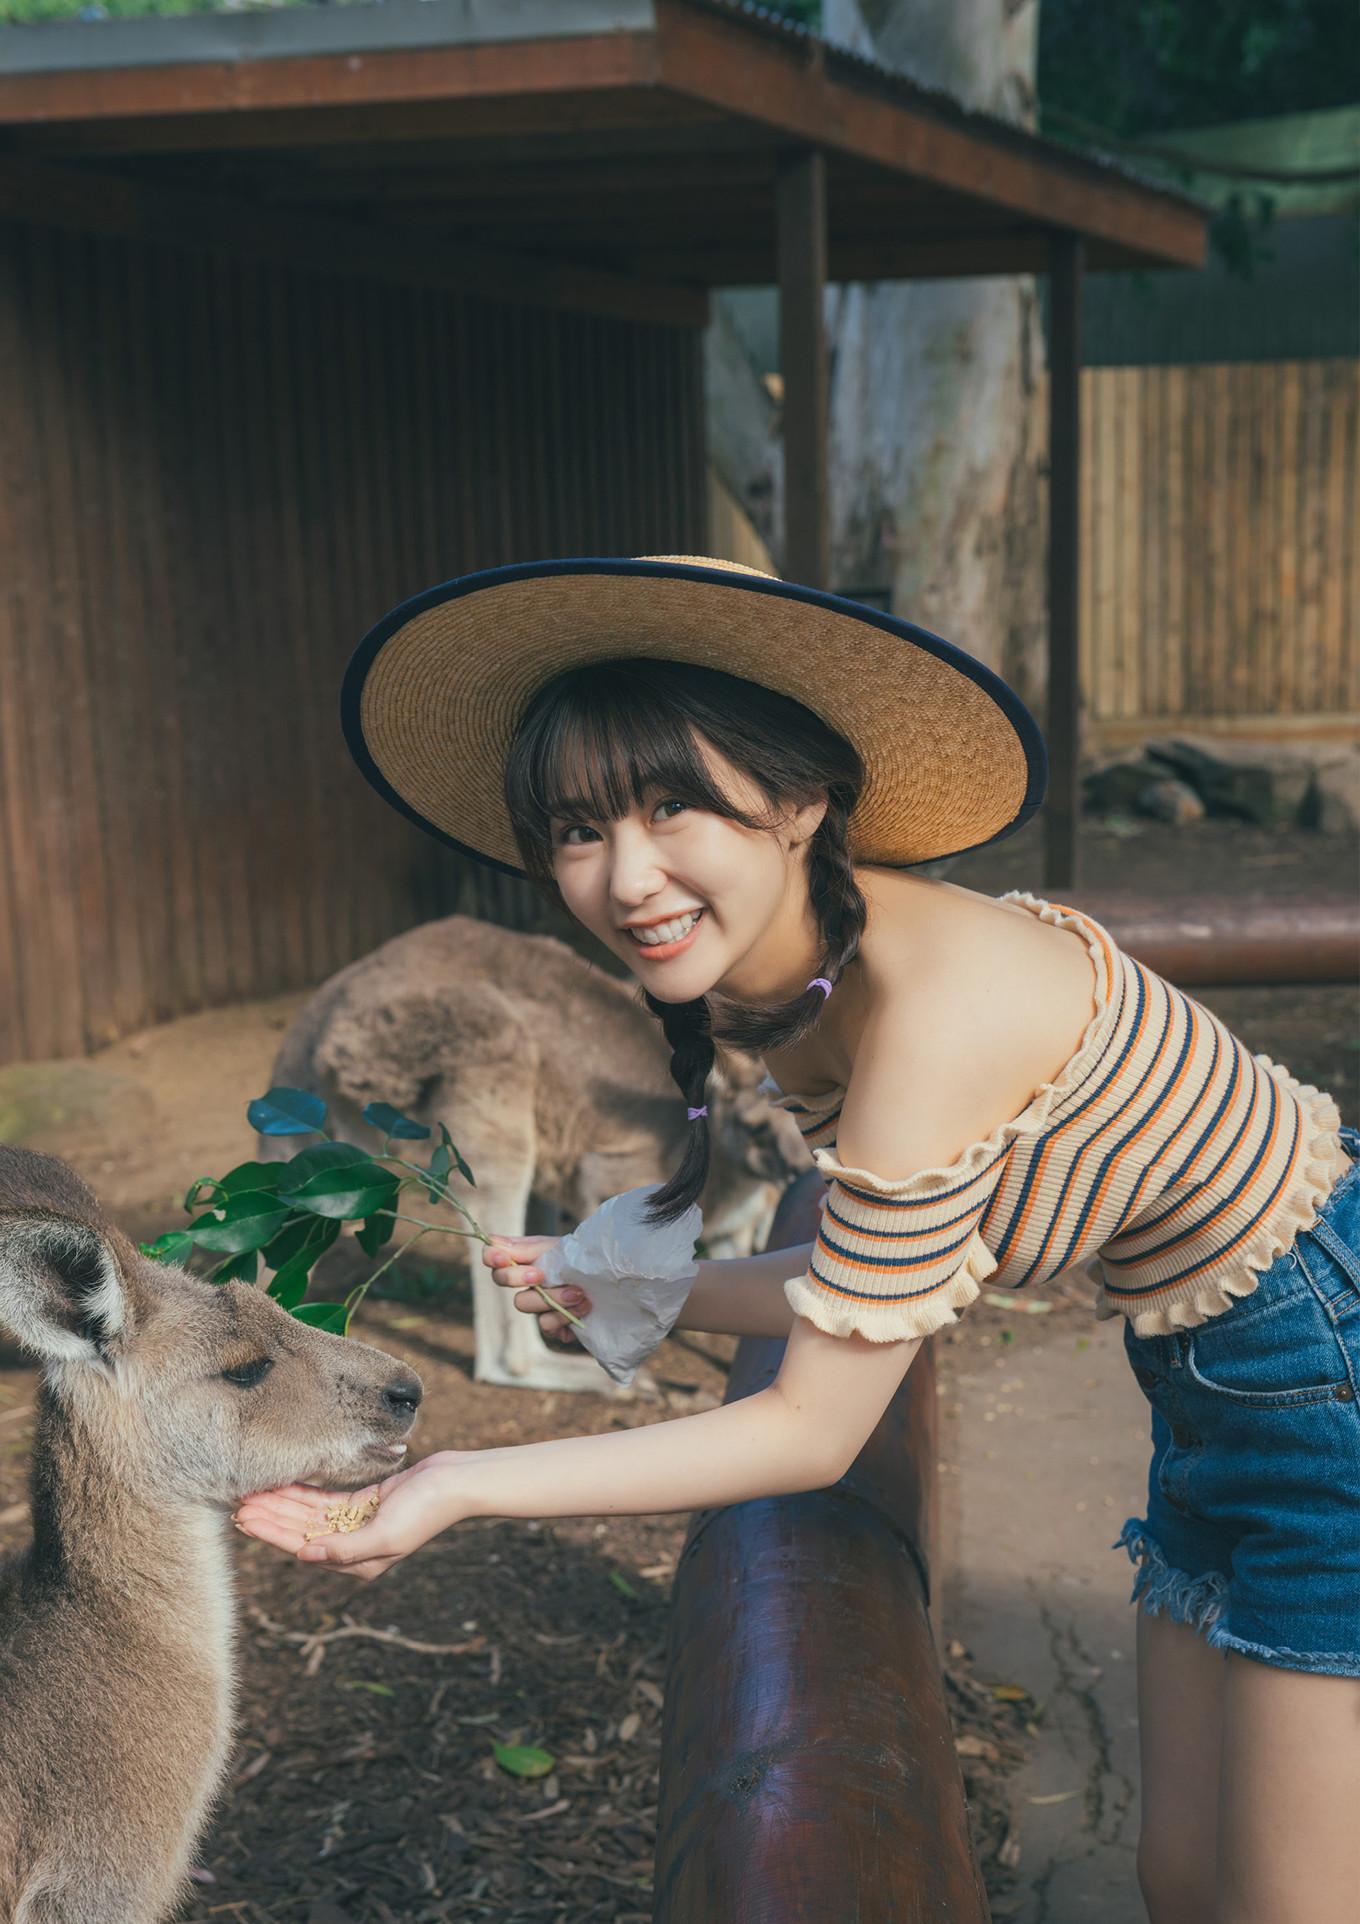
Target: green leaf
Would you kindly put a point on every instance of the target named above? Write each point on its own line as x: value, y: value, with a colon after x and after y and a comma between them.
x: 286, y: 1112
x: 621, y: 1582
x: 302, y: 1231
x: 211, y: 1187
x: 331, y: 1316
x: 236, y: 1269
x: 322, y: 1155
x: 375, y: 1231
x: 290, y: 1282
x: 438, y: 1166
x: 361, y: 1683
x: 252, y: 1175
x: 463, y: 1169
x: 338, y: 1179
x: 246, y: 1221
x: 345, y: 1194
x: 523, y: 1760
x: 393, y: 1123
x: 173, y: 1247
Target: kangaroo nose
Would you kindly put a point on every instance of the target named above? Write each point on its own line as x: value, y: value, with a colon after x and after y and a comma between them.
x: 403, y: 1397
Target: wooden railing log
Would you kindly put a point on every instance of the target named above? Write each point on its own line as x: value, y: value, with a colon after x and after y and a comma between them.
x: 808, y: 1769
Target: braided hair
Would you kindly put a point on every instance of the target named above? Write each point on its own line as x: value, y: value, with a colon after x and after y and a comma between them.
x: 602, y: 736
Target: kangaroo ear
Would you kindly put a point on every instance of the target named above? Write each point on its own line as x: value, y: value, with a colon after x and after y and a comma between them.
x: 61, y: 1292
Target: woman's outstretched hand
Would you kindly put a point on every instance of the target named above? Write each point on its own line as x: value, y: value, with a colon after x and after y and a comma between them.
x: 414, y: 1505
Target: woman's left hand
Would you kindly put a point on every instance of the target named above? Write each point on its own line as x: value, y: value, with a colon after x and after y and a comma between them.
x: 414, y: 1505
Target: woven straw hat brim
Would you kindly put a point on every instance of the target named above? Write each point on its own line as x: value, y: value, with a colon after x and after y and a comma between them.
x: 434, y: 692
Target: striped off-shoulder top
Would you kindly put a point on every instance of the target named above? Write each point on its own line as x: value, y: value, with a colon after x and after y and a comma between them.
x: 1164, y: 1157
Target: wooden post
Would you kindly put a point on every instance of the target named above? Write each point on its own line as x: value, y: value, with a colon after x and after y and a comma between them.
x: 808, y: 1769
x: 1062, y: 812
x: 801, y: 247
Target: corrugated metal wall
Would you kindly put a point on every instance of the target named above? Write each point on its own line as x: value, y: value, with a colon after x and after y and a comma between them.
x: 214, y: 476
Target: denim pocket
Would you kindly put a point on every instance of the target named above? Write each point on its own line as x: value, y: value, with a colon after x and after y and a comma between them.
x: 1276, y: 1354
x: 1329, y: 1252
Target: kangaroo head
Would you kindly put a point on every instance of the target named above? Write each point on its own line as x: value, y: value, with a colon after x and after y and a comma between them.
x: 755, y: 1137
x: 198, y: 1391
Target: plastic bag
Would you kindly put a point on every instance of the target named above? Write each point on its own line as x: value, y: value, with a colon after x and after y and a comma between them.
x: 637, y: 1277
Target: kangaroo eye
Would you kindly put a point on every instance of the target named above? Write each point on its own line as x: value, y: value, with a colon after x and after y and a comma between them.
x: 246, y: 1375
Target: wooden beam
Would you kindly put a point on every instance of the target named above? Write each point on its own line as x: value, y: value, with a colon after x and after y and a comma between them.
x: 1062, y: 811
x: 801, y: 241
x: 901, y: 256
x: 697, y: 65
x: 573, y: 186
x: 626, y: 120
x: 102, y: 203
x: 763, y: 78
x: 213, y: 88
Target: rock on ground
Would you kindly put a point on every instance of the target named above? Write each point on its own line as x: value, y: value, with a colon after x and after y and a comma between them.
x: 1273, y: 785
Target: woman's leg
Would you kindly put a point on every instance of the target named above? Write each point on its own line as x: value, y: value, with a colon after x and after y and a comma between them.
x: 1289, y: 1797
x: 1180, y: 1705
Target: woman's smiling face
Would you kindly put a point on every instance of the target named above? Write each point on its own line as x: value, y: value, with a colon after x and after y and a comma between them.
x: 737, y: 895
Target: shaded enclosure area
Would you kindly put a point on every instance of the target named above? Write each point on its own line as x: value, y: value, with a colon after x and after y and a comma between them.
x: 218, y: 473
x: 308, y: 308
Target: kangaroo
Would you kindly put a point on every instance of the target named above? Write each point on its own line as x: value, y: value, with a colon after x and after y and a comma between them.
x: 553, y: 1079
x: 164, y: 1400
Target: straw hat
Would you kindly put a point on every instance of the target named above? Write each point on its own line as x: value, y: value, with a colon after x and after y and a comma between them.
x: 434, y: 692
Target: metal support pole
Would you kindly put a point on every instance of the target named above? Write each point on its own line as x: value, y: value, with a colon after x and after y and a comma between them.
x: 801, y: 247
x: 1062, y: 811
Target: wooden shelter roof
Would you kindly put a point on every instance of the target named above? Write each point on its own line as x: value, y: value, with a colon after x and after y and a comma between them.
x: 614, y: 153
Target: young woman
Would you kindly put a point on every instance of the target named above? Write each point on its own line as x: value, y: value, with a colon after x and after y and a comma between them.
x: 726, y: 779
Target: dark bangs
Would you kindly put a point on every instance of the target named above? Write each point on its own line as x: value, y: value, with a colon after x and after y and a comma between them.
x: 597, y: 740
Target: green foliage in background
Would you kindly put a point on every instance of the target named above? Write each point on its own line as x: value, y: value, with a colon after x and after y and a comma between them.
x: 1138, y: 67
x: 1121, y: 73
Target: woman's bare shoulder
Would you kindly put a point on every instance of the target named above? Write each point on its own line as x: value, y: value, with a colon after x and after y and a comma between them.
x: 959, y: 976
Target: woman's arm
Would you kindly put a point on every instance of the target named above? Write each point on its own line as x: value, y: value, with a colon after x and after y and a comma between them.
x: 757, y: 1446
x: 744, y: 1295
x: 802, y: 1433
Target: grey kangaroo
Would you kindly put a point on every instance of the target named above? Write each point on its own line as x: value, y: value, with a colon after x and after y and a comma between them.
x: 164, y: 1400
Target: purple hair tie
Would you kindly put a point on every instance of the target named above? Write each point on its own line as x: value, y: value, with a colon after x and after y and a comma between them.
x: 693, y: 1113
x: 819, y: 982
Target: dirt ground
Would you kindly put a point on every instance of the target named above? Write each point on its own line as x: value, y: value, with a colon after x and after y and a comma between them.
x: 365, y: 1786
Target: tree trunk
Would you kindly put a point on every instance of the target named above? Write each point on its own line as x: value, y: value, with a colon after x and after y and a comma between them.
x: 936, y: 432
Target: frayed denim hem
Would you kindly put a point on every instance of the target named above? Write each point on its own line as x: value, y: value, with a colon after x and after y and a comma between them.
x: 1197, y: 1601
x: 1323, y: 1663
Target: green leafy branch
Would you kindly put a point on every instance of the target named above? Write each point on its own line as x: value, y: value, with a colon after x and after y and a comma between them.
x: 286, y: 1215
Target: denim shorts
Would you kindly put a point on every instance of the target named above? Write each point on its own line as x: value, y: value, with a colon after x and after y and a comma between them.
x: 1252, y: 1533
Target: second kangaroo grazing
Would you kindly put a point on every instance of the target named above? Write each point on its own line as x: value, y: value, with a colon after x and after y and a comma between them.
x: 165, y: 1399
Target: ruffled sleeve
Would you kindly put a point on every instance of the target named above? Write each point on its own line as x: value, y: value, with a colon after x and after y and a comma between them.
x: 897, y: 1257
